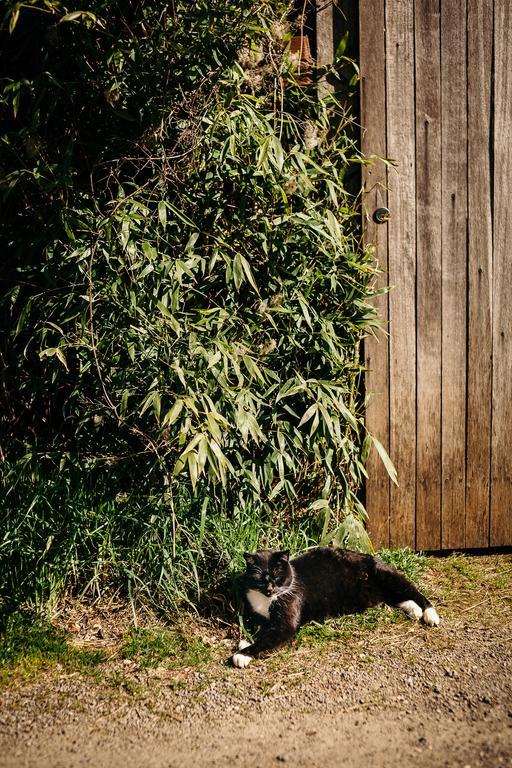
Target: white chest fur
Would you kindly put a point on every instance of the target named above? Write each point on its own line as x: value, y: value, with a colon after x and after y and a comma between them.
x: 259, y: 603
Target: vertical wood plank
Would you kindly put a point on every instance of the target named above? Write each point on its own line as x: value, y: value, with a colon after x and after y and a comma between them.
x: 324, y: 41
x: 429, y: 272
x: 454, y: 247
x: 501, y: 451
x: 479, y: 390
x: 402, y: 266
x: 372, y: 61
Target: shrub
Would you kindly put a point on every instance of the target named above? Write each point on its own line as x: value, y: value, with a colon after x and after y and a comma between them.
x: 186, y: 293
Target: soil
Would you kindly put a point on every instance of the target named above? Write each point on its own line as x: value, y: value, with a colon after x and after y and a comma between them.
x: 397, y: 694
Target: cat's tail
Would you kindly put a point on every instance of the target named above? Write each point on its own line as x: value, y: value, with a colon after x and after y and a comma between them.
x: 399, y: 592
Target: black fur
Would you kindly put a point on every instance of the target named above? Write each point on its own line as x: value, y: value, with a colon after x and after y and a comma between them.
x: 323, y: 582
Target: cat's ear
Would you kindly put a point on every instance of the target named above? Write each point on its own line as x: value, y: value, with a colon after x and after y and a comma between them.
x: 250, y: 558
x: 284, y: 556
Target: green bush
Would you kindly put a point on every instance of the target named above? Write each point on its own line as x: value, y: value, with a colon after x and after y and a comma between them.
x: 186, y: 293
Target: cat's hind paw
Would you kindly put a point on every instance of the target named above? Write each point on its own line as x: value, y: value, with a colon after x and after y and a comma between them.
x: 240, y: 660
x: 243, y: 644
x: 431, y: 617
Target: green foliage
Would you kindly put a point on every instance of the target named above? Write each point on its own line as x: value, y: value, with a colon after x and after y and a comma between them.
x: 411, y: 563
x: 29, y: 644
x: 186, y: 293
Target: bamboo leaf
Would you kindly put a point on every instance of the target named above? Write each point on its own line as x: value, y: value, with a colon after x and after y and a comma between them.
x: 174, y: 413
x: 193, y: 468
x: 248, y: 272
x: 61, y: 356
x: 390, y: 468
x: 351, y: 534
x: 277, y: 152
x: 263, y: 153
x: 238, y: 271
x: 162, y: 214
x: 308, y: 414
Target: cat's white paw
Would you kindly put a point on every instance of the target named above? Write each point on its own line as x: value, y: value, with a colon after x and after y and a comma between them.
x: 431, y: 617
x: 243, y: 644
x: 240, y: 660
x: 411, y: 609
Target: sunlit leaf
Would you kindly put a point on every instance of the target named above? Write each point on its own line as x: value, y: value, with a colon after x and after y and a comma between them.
x: 390, y: 467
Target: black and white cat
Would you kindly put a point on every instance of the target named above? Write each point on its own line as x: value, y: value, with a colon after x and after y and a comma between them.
x: 281, y: 594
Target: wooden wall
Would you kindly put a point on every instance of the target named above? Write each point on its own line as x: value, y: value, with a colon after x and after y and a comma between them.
x: 436, y: 99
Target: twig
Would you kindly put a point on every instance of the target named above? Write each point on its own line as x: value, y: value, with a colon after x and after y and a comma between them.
x: 470, y: 608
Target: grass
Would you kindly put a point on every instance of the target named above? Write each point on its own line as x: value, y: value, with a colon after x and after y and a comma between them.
x: 463, y: 589
x: 88, y: 535
x: 30, y: 644
x: 411, y: 563
x: 347, y: 627
x: 172, y: 648
x: 459, y: 564
x: 475, y: 580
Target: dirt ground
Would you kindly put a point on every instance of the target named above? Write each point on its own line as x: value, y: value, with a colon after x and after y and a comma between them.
x: 396, y: 694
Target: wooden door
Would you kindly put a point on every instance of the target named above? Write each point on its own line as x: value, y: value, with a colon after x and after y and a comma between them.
x: 436, y: 100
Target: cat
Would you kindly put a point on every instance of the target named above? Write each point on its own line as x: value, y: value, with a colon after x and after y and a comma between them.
x: 282, y: 594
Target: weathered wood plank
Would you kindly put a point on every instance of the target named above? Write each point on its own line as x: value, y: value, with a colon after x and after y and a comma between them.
x: 324, y: 41
x: 429, y: 272
x: 479, y: 388
x: 373, y: 143
x: 402, y: 266
x: 501, y: 453
x: 454, y: 249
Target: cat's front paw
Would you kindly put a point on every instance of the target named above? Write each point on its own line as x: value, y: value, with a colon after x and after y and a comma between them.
x: 240, y: 660
x: 431, y: 617
x: 243, y: 644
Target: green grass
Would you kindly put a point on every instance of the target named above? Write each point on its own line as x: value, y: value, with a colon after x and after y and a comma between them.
x: 411, y: 563
x: 62, y: 533
x: 459, y: 564
x: 345, y: 627
x: 157, y: 646
x: 31, y: 644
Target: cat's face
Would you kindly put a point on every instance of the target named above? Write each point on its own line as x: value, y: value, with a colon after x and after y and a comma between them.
x: 268, y: 571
